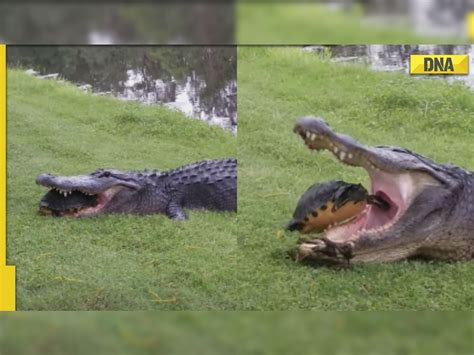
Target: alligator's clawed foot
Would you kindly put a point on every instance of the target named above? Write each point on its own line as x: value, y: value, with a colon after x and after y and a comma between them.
x: 325, y: 250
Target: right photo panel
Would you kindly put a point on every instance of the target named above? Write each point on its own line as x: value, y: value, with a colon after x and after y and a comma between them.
x: 355, y: 176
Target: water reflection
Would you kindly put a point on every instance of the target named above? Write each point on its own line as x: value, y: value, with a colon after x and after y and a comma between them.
x: 198, y: 81
x: 395, y: 58
x: 188, y: 95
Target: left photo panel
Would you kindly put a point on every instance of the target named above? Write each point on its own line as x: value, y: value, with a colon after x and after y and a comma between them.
x: 109, y: 150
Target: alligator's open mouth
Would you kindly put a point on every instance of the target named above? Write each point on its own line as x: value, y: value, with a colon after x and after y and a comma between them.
x: 74, y: 203
x: 76, y: 196
x: 397, y: 188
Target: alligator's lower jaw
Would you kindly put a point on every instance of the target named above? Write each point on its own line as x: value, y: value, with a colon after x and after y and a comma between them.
x: 74, y: 211
x: 367, y: 222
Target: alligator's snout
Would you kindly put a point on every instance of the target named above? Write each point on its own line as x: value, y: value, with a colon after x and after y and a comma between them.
x: 43, y: 179
x: 311, y: 122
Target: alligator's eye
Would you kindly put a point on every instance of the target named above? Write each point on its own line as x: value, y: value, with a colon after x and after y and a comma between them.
x: 105, y: 174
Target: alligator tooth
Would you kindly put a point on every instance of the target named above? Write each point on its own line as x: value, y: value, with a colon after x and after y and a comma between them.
x: 342, y: 155
x: 336, y: 150
x: 308, y: 134
x: 350, y: 156
x: 313, y: 137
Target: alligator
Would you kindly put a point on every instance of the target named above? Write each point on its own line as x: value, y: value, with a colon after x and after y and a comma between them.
x: 209, y: 184
x: 428, y: 208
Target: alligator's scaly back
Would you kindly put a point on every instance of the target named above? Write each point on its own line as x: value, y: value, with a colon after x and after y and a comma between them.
x: 209, y: 184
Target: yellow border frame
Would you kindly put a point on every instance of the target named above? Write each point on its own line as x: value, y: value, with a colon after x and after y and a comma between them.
x: 470, y: 25
x: 7, y: 273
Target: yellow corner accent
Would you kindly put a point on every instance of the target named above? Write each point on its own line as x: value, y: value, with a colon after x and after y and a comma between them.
x: 7, y: 288
x: 7, y: 273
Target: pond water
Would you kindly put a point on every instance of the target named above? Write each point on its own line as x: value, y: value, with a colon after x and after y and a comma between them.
x: 188, y: 95
x: 395, y: 58
x: 197, y: 81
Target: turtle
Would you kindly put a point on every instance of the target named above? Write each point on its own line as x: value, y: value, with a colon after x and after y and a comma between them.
x: 330, y: 203
x: 56, y: 202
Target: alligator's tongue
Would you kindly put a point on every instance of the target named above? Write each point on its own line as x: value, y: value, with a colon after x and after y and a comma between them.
x: 55, y: 201
x: 378, y: 201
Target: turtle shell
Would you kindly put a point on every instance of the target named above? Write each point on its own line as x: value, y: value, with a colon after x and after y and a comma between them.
x: 55, y: 201
x: 327, y: 203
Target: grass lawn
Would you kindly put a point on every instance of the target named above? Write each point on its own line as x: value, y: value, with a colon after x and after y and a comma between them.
x: 308, y: 23
x: 117, y: 261
x: 278, y: 85
x: 255, y: 333
x: 223, y: 261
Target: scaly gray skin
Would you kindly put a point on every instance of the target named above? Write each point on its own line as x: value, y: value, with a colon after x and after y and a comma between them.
x: 210, y: 184
x: 431, y: 210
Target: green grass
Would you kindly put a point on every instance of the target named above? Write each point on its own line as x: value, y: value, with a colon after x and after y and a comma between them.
x: 110, y: 262
x: 278, y: 85
x: 309, y: 23
x: 263, y: 333
x: 220, y: 261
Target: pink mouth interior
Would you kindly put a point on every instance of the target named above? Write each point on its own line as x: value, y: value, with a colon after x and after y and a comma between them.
x: 102, y: 199
x: 390, y: 188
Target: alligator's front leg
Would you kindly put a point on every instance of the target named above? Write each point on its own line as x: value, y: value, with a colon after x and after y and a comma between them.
x: 175, y: 211
x: 325, y: 250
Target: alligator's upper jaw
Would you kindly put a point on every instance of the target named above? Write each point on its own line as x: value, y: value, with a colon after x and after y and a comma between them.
x: 73, y: 196
x: 396, y: 186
